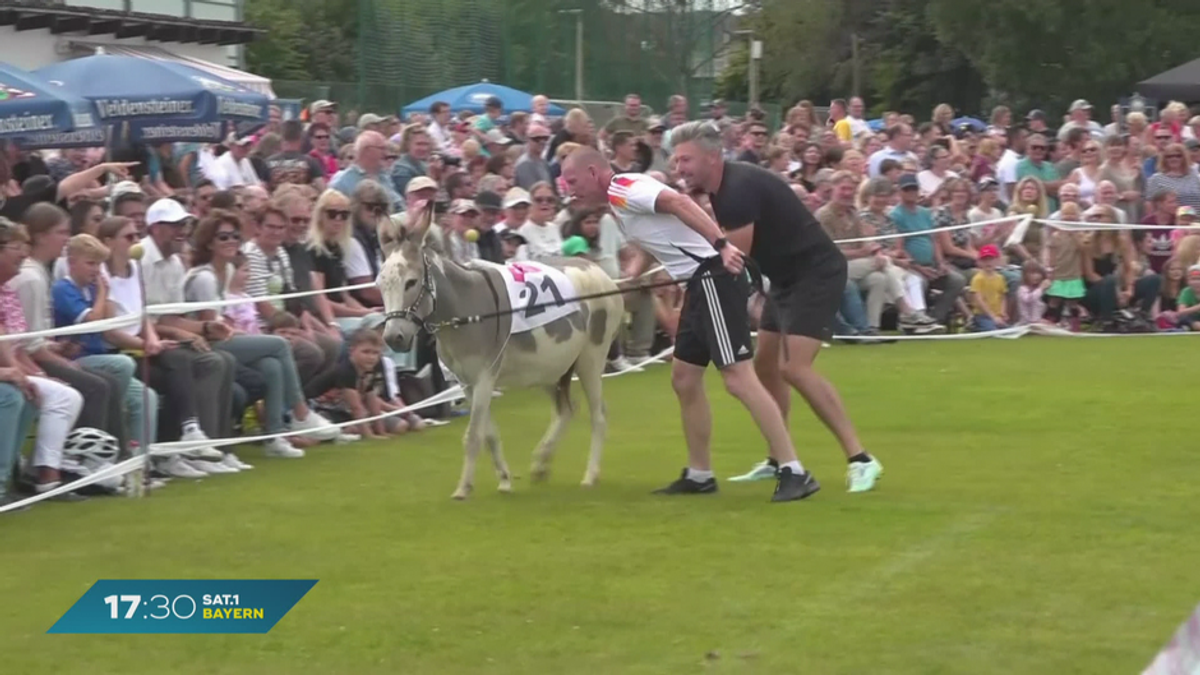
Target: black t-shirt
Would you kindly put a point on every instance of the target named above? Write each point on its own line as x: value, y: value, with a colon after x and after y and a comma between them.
x: 293, y: 167
x: 330, y: 265
x: 786, y: 235
x: 348, y: 377
x: 749, y: 156
x: 14, y: 208
x: 300, y: 259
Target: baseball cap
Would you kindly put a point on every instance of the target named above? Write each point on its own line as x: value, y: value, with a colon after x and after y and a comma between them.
x: 1194, y: 272
x: 463, y: 206
x: 1185, y: 211
x: 505, y: 232
x: 232, y: 139
x: 321, y: 104
x: 488, y: 201
x: 538, y: 129
x: 497, y: 136
x: 1080, y: 104
x: 1036, y: 114
x: 166, y: 210
x: 908, y: 182
x: 655, y: 123
x: 988, y: 183
x: 420, y: 183
x: 516, y: 196
x: 988, y: 251
x: 1191, y: 144
x: 367, y: 119
x: 574, y: 246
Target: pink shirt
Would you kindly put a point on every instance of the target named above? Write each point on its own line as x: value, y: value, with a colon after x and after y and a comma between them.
x: 1030, y: 307
x: 243, y: 316
x: 11, y: 312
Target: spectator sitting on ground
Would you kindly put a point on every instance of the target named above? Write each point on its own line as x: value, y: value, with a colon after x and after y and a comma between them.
x: 364, y: 389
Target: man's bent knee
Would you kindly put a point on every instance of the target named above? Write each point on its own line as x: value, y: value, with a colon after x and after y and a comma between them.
x: 686, y: 379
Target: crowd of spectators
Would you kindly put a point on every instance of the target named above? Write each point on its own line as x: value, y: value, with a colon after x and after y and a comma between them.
x: 297, y: 207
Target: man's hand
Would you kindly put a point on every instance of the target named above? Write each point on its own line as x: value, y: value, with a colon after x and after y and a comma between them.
x: 121, y: 169
x: 1123, y: 297
x: 201, y: 345
x: 217, y: 331
x: 15, y: 377
x: 881, y: 260
x: 732, y: 258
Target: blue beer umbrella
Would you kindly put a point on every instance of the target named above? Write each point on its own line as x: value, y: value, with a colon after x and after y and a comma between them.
x: 153, y: 101
x: 472, y: 97
x: 33, y: 109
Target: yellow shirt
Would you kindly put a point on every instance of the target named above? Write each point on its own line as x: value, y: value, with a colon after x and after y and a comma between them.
x: 842, y: 129
x: 990, y: 288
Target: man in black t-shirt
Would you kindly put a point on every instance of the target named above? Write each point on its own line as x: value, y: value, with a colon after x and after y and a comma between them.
x: 807, y: 271
x: 291, y: 165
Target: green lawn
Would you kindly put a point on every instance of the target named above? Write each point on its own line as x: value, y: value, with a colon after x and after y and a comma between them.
x: 1038, y: 515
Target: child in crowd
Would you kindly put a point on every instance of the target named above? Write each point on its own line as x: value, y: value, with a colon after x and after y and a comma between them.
x: 511, y: 242
x: 988, y: 289
x: 242, y: 316
x: 1030, y: 306
x: 1065, y: 252
x: 1189, y: 301
x: 581, y: 236
x: 1168, y: 296
x: 1185, y: 219
x: 364, y: 388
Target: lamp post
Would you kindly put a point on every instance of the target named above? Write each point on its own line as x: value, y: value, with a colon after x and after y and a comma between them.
x: 756, y: 50
x: 578, y: 52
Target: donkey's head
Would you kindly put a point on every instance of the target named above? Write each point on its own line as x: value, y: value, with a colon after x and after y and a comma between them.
x: 404, y: 279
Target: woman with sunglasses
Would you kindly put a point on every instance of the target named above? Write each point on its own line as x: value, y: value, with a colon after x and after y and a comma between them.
x: 322, y: 147
x: 544, y: 236
x: 363, y: 255
x: 329, y: 237
x: 217, y: 243
x: 1173, y: 173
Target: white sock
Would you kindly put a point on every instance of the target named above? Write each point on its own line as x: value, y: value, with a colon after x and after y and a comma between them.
x: 191, y: 425
x: 698, y: 475
x: 794, y: 466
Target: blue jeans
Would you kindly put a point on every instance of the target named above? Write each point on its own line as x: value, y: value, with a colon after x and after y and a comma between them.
x: 271, y: 356
x: 984, y: 323
x: 141, y: 402
x: 16, y: 417
x: 852, y: 316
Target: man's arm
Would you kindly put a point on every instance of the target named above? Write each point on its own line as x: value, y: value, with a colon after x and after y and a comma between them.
x: 689, y: 213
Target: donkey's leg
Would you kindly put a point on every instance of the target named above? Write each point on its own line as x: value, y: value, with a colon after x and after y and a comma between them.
x: 560, y: 394
x: 492, y: 438
x: 473, y: 438
x: 590, y: 368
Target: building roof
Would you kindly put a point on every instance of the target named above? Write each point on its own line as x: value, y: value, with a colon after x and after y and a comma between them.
x: 59, y: 18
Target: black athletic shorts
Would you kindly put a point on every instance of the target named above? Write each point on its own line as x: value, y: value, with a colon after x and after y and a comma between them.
x: 809, y: 303
x: 714, y: 324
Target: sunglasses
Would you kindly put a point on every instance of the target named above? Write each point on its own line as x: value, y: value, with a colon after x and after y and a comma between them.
x: 321, y: 137
x: 229, y: 236
x: 758, y: 133
x: 1090, y: 150
x: 544, y: 200
x: 376, y: 206
x: 1037, y: 147
x: 337, y: 214
x: 539, y: 139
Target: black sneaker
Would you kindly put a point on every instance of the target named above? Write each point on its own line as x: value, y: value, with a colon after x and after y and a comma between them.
x: 687, y: 486
x: 791, y: 487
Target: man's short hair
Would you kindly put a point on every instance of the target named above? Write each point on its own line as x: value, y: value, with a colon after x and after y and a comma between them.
x: 292, y: 131
x: 87, y: 247
x: 437, y: 107
x: 494, y: 103
x: 518, y: 118
x: 127, y: 197
x: 895, y: 130
x: 620, y: 138
x: 204, y: 182
x: 1076, y: 135
x: 889, y: 165
x: 224, y: 199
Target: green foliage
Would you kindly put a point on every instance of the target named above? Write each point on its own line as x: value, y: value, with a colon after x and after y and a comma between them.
x: 305, y: 39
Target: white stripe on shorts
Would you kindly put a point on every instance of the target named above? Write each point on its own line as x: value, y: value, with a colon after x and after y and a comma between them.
x: 718, y: 320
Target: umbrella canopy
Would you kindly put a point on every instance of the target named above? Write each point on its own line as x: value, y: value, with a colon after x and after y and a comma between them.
x: 153, y: 101
x: 975, y: 124
x: 1181, y: 83
x: 32, y: 109
x: 472, y: 97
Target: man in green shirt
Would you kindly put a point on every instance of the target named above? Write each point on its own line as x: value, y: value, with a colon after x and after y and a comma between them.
x: 630, y: 120
x: 1188, y: 306
x: 1037, y: 165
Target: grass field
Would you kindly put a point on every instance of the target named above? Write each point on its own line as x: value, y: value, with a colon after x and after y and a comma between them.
x: 1038, y: 515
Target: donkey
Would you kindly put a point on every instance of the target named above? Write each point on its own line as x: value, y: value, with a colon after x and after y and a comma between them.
x: 422, y: 289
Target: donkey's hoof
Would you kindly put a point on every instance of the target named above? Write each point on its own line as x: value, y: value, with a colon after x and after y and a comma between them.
x: 539, y: 473
x: 461, y: 494
x: 589, y: 481
x: 505, y: 487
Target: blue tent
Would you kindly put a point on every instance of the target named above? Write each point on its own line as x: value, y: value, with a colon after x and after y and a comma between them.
x: 37, y: 113
x: 155, y: 101
x: 472, y: 97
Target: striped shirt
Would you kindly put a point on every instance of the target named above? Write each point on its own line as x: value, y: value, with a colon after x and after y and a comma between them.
x: 268, y: 274
x: 1187, y: 187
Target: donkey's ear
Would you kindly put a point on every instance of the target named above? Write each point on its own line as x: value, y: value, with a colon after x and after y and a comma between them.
x: 391, y: 234
x: 424, y: 218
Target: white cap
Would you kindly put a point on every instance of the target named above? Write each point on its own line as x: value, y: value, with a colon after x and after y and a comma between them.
x: 166, y: 211
x: 497, y: 136
x: 420, y: 183
x: 516, y: 196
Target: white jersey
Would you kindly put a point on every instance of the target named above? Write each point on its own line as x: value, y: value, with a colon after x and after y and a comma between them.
x: 676, y: 246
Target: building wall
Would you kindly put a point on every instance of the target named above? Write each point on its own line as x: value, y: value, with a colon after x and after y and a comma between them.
x: 217, y: 10
x: 33, y: 49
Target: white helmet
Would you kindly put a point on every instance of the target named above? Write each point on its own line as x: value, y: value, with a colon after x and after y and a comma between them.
x: 88, y: 451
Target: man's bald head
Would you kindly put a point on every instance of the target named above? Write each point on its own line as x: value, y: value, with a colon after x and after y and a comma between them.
x: 587, y: 174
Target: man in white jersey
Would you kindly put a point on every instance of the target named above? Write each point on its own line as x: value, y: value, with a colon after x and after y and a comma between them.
x: 713, y: 326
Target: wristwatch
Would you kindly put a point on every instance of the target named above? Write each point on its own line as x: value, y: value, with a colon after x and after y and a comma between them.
x: 720, y: 243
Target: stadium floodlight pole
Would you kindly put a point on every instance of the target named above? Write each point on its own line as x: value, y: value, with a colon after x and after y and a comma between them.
x: 578, y: 52
x: 756, y: 48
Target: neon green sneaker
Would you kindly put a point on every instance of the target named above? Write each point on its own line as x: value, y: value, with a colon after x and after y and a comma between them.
x: 764, y: 470
x: 861, y: 476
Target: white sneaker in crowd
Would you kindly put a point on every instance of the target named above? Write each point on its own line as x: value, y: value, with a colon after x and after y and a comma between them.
x: 281, y: 447
x: 233, y: 461
x: 176, y: 466
x: 198, y: 436
x: 209, y: 467
x: 315, y: 427
x: 622, y: 364
x: 343, y: 439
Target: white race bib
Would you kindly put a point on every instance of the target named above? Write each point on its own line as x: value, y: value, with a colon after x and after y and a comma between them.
x: 539, y: 294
